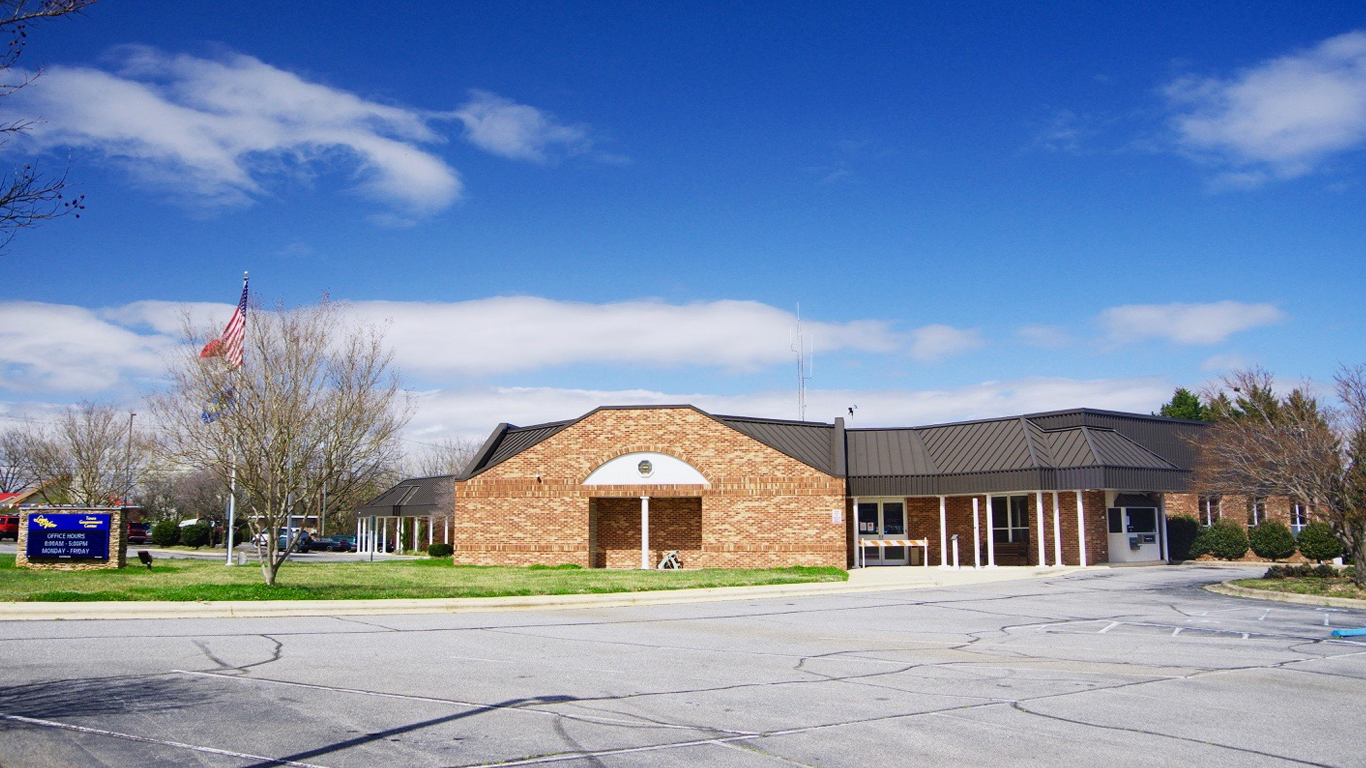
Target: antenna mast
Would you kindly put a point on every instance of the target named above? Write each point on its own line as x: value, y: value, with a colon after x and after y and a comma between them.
x: 804, y: 365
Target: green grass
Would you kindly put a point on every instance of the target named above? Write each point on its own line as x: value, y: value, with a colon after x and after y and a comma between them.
x: 1318, y: 587
x: 198, y: 580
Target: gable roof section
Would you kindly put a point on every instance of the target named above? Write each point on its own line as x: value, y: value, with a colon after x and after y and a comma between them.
x: 806, y: 441
x: 414, y: 497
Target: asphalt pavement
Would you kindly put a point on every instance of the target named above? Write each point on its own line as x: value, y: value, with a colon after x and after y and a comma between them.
x: 1114, y: 667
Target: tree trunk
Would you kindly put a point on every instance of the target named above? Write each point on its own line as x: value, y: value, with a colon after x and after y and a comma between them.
x: 1356, y: 547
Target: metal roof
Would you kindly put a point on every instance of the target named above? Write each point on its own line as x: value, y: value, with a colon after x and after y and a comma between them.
x: 805, y: 441
x: 1075, y: 449
x: 415, y: 497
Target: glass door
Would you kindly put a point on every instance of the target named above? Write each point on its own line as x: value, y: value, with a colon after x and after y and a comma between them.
x: 878, y: 520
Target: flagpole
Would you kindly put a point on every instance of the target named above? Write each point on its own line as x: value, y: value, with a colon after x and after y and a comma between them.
x: 232, y: 477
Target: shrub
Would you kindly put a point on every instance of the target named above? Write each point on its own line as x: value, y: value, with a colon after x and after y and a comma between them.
x: 1318, y: 543
x: 196, y: 535
x: 1275, y: 572
x: 1227, y: 540
x: 1200, y: 544
x: 166, y: 533
x: 1181, y: 533
x: 1272, y: 540
x: 1325, y: 571
x: 440, y: 550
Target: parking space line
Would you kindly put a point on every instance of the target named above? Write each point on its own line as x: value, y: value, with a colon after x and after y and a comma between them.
x: 150, y: 740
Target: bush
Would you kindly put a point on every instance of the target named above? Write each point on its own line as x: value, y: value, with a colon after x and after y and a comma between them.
x: 166, y: 533
x: 440, y: 550
x: 1200, y: 544
x: 196, y: 535
x: 1272, y: 540
x: 1318, y: 543
x: 1181, y: 533
x: 1227, y: 540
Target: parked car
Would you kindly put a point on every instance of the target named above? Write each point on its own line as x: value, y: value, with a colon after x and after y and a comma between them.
x: 9, y: 527
x: 139, y: 533
x: 338, y: 543
x: 304, y: 545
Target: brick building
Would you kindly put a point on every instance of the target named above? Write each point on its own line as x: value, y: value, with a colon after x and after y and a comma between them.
x: 622, y: 486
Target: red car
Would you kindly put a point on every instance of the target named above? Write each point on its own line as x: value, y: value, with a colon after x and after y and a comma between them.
x: 9, y: 527
x: 139, y: 533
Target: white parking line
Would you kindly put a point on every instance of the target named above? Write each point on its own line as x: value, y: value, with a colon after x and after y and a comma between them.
x: 149, y: 740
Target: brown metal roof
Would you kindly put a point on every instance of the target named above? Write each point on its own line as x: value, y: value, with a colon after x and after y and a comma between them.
x: 414, y: 497
x: 805, y: 441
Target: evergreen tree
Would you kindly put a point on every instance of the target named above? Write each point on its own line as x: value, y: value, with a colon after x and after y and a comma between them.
x: 1184, y: 404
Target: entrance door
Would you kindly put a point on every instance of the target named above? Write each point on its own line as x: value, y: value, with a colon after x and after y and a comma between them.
x: 1134, y: 535
x: 883, y: 520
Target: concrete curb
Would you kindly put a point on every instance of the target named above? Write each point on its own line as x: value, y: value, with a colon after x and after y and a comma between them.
x: 78, y: 611
x: 1234, y: 590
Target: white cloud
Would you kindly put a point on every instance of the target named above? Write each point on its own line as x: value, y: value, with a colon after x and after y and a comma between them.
x: 53, y: 347
x: 71, y: 348
x: 932, y: 343
x: 221, y: 131
x: 1045, y: 336
x: 1194, y: 324
x: 517, y: 131
x: 473, y: 412
x: 1280, y: 118
x: 1225, y: 363
x: 521, y: 333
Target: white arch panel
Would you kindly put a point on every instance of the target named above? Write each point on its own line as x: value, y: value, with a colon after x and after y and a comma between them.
x: 646, y: 468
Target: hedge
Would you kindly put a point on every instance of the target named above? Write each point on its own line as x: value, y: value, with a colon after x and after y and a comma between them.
x: 1226, y: 540
x: 440, y: 550
x: 1317, y: 542
x: 1181, y: 533
x: 166, y: 533
x: 1272, y: 540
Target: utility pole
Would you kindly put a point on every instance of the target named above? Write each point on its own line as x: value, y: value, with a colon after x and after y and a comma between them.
x: 128, y: 460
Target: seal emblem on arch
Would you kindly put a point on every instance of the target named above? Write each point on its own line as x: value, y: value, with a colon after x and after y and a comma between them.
x: 646, y: 468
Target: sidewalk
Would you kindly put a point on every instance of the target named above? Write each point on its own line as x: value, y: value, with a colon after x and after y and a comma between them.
x: 860, y: 580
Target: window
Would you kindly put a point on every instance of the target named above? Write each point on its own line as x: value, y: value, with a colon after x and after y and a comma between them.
x: 1009, y: 518
x: 1299, y: 517
x: 1210, y: 509
x: 1256, y: 511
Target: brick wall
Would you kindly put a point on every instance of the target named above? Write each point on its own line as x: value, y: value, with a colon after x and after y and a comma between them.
x: 760, y: 509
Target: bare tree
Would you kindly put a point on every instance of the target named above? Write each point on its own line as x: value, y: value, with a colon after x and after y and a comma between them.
x: 28, y: 198
x: 16, y: 474
x: 444, y: 458
x: 1263, y: 444
x: 315, y: 407
x: 447, y: 456
x: 91, y: 455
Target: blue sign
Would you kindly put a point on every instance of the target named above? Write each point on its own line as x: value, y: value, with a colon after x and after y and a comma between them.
x: 69, y: 536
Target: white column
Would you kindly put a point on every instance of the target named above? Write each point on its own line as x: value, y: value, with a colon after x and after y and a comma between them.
x: 976, y: 536
x: 1081, y: 530
x: 858, y: 551
x: 448, y: 530
x: 991, y: 537
x: 417, y: 529
x: 943, y: 535
x: 431, y: 530
x: 1057, y: 532
x: 1038, y: 513
x: 645, y: 533
x: 384, y: 535
x: 1162, y: 525
x: 360, y: 542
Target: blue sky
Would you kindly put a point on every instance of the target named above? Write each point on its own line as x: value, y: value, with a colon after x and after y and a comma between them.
x: 981, y: 209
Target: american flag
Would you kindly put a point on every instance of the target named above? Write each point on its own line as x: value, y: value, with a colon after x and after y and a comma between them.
x: 229, y: 345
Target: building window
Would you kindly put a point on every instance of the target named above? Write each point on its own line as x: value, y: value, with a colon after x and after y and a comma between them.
x: 1256, y: 511
x: 1210, y: 509
x: 1299, y: 517
x: 1009, y: 519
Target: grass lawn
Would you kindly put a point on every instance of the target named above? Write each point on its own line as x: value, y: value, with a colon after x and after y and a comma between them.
x: 212, y: 580
x: 1335, y: 587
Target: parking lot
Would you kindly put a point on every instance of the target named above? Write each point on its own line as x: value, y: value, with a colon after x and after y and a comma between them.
x: 1122, y: 667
